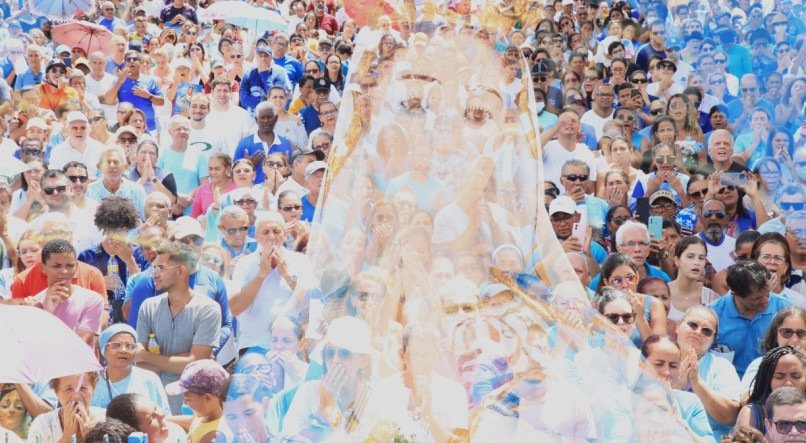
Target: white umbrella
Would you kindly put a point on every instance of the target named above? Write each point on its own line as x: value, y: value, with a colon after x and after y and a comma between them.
x: 244, y: 15
x: 38, y: 347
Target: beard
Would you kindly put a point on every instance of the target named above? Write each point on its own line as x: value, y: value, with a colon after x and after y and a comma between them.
x: 713, y: 233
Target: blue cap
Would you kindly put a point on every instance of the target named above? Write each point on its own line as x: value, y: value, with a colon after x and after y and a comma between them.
x: 112, y: 331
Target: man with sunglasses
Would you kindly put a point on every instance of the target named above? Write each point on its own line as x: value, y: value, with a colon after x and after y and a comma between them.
x: 234, y: 226
x: 745, y: 313
x: 142, y: 91
x: 789, y: 198
x: 785, y: 415
x: 715, y: 221
x: 77, y: 173
x: 55, y: 93
x: 57, y: 193
x: 269, y: 278
x: 202, y: 281
x: 796, y: 237
x: 655, y: 47
x: 575, y: 175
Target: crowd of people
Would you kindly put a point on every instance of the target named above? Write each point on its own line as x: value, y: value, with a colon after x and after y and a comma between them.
x: 561, y: 220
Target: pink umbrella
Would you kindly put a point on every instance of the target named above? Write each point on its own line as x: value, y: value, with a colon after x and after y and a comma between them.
x: 88, y: 36
x: 38, y: 347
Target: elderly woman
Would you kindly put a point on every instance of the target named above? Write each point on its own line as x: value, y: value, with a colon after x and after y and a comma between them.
x: 328, y: 408
x: 711, y: 378
x: 118, y: 344
x: 74, y: 416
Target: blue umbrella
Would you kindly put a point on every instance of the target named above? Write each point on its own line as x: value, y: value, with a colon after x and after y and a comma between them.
x: 60, y: 10
x: 259, y: 21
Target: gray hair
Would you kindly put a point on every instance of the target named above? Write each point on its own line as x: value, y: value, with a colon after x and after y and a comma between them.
x: 717, y: 132
x: 784, y: 396
x: 317, y: 133
x: 264, y: 106
x: 630, y: 224
x: 575, y: 162
x: 233, y: 212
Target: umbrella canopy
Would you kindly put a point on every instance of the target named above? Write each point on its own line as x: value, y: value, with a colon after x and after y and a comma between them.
x: 10, y: 167
x: 60, y: 10
x: 257, y: 20
x: 38, y: 347
x: 88, y: 36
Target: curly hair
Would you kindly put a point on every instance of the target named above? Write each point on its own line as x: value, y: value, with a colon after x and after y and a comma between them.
x: 766, y: 370
x: 115, y: 214
x: 109, y: 431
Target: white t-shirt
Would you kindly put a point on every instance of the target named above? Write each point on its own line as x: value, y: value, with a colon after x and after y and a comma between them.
x: 597, y: 123
x: 64, y: 153
x: 101, y: 87
x: 555, y: 156
x: 47, y: 428
x: 719, y: 255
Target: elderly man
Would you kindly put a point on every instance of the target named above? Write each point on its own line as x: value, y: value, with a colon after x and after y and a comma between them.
x: 116, y: 61
x: 574, y: 178
x: 258, y: 145
x: 140, y: 90
x: 80, y: 309
x: 796, y: 237
x: 113, y: 167
x: 185, y: 324
x: 746, y: 313
x: 189, y: 166
x: 108, y: 19
x: 256, y: 83
x: 35, y: 74
x: 234, y: 226
x: 314, y: 175
x: 632, y: 238
x: 564, y: 215
x: 57, y: 193
x: 566, y: 147
x: 272, y: 280
x: 720, y: 244
x: 720, y: 149
x: 602, y: 109
x: 78, y: 146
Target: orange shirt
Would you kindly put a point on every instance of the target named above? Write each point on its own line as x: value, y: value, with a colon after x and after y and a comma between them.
x: 33, y: 281
x: 55, y: 99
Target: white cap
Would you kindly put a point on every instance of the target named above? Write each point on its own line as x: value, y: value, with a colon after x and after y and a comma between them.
x: 313, y: 167
x: 350, y: 333
x: 74, y: 116
x: 563, y: 204
x: 36, y: 122
x: 185, y: 226
x: 182, y: 61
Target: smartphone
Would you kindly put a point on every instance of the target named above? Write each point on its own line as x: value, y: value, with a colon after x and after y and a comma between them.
x: 579, y: 231
x: 733, y: 179
x: 642, y: 209
x: 656, y: 227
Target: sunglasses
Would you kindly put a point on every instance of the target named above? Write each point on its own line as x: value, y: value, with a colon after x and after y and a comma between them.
x: 791, y: 206
x: 626, y: 318
x: 55, y: 189
x: 698, y: 194
x: 668, y: 206
x: 726, y: 189
x: 271, y: 164
x: 132, y: 59
x: 665, y: 159
x: 236, y: 56
x: 30, y: 151
x: 639, y: 81
x: 574, y: 177
x: 785, y: 426
x: 718, y: 214
x: 291, y: 208
x: 233, y: 231
x: 329, y: 353
x: 190, y: 240
x: 78, y: 178
x: 720, y: 60
x: 789, y: 332
x: 322, y: 146
x: 246, y: 201
x: 127, y: 140
x: 694, y: 326
x: 656, y: 112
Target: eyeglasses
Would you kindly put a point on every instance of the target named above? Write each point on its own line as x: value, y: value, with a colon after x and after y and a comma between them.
x: 694, y: 326
x: 626, y: 318
x: 539, y: 79
x: 242, y: 171
x: 467, y: 308
x: 329, y: 353
x: 746, y: 90
x: 78, y: 178
x: 127, y: 140
x: 191, y: 240
x: 789, y: 332
x: 639, y: 81
x: 768, y: 258
x: 332, y: 111
x: 791, y: 206
x: 321, y: 146
x: 51, y: 191
x: 656, y: 112
x: 116, y: 346
x: 132, y: 59
x: 274, y: 165
x: 291, y: 208
x: 245, y: 202
x: 31, y: 151
x: 726, y: 189
x: 785, y: 426
x: 635, y: 244
x: 698, y: 194
x: 233, y: 231
x: 718, y: 214
x: 720, y: 60
x: 159, y: 269
x: 665, y: 159
x: 668, y: 206
x: 575, y: 177
x: 560, y: 217
x: 618, y: 281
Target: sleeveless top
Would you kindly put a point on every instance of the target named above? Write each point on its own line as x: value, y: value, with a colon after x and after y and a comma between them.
x: 706, y: 297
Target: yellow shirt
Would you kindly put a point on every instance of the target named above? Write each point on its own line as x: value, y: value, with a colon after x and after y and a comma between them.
x: 296, y: 106
x: 215, y: 431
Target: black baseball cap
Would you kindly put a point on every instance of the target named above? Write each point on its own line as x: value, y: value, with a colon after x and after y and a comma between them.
x: 321, y: 84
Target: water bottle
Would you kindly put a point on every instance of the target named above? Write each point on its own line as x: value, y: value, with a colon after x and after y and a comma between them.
x: 115, y: 295
x: 153, y: 346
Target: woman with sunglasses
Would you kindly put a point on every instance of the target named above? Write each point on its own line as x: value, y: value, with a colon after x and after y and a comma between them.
x: 783, y: 366
x: 740, y: 219
x: 711, y: 378
x: 787, y: 328
x: 620, y: 272
x: 118, y: 344
x: 687, y: 288
x: 663, y: 356
x: 667, y: 175
x: 328, y: 409
x: 617, y: 307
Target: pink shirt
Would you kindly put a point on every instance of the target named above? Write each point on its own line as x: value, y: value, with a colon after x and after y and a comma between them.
x: 204, y: 198
x: 81, y: 311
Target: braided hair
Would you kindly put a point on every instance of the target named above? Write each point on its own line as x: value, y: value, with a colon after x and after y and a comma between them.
x: 766, y: 371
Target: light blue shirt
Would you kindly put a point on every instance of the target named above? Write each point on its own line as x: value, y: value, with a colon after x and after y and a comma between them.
x: 719, y: 375
x: 140, y: 381
x: 742, y: 335
x: 128, y: 190
x: 693, y: 412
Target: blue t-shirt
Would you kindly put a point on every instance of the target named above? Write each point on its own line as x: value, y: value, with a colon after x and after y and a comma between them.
x: 148, y: 83
x: 188, y: 168
x: 308, y: 209
x: 293, y: 68
x: 28, y: 78
x: 184, y: 93
x: 740, y: 334
x: 693, y: 413
x: 310, y: 118
x: 251, y: 145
